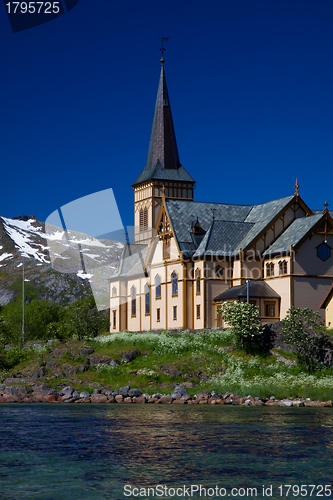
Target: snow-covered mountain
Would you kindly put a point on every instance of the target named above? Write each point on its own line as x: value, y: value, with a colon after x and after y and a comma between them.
x: 60, y: 265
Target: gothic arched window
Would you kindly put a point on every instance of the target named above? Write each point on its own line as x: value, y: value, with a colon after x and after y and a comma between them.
x: 158, y: 291
x: 143, y: 219
x: 174, y: 283
x: 147, y: 299
x: 133, y: 301
x: 198, y: 281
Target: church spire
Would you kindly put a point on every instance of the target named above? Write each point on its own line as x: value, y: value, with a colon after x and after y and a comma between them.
x: 163, y: 158
x: 163, y: 145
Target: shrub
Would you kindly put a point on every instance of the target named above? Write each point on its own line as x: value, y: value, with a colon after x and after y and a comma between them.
x: 243, y: 320
x: 302, y: 328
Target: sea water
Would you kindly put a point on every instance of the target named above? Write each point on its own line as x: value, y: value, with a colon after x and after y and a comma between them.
x: 85, y: 451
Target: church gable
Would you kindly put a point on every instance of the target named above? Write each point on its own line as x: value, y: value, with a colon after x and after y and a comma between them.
x: 272, y: 220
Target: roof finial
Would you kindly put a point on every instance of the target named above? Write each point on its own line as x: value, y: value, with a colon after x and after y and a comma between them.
x: 163, y: 49
x: 213, y: 212
x: 296, y: 188
x: 325, y: 207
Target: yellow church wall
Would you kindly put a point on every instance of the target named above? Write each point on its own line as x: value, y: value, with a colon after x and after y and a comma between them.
x: 329, y: 314
x: 134, y: 322
x: 252, y: 269
x: 118, y: 303
x: 282, y: 286
x: 175, y: 311
x: 157, y: 257
x: 159, y: 320
x: 237, y: 273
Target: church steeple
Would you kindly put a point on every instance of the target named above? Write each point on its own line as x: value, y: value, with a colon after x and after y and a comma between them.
x: 163, y: 173
x: 163, y: 145
x: 163, y: 159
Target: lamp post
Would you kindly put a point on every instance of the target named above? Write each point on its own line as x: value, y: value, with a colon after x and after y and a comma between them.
x: 247, y: 291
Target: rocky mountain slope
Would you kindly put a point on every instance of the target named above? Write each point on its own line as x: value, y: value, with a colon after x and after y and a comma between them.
x: 59, y: 265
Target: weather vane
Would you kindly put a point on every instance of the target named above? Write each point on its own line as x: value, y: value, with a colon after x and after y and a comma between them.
x: 163, y: 49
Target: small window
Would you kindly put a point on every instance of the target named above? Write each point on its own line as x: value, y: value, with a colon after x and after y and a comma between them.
x: 283, y: 267
x: 174, y: 283
x: 174, y: 312
x: 270, y: 309
x: 133, y: 301
x: 158, y: 315
x: 198, y: 311
x: 114, y: 319
x: 157, y: 287
x: 144, y: 219
x: 270, y: 269
x: 198, y: 281
x: 114, y: 291
x: 147, y: 299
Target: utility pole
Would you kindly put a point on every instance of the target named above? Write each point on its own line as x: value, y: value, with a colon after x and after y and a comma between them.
x: 23, y: 304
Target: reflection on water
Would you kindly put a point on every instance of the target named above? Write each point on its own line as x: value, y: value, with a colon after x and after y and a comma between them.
x: 92, y: 451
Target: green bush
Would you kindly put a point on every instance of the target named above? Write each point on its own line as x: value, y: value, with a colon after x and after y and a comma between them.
x: 302, y: 328
x: 244, y: 322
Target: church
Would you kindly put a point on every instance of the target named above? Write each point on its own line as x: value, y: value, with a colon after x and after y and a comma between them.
x: 188, y: 256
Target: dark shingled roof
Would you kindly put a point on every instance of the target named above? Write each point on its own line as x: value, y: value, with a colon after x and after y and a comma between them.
x: 258, y: 290
x: 183, y: 213
x: 223, y: 238
x: 234, y: 227
x: 261, y: 215
x: 293, y: 234
x: 163, y: 159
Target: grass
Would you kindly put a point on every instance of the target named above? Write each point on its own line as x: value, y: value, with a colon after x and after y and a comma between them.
x: 205, y: 360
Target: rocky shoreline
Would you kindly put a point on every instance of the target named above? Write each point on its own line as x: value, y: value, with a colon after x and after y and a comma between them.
x: 43, y: 393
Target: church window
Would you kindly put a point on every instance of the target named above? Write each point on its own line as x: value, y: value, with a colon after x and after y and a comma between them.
x: 158, y: 315
x: 198, y: 311
x: 270, y: 269
x: 114, y: 319
x: 114, y: 291
x: 174, y: 313
x: 324, y: 251
x: 174, y: 283
x: 144, y: 219
x: 158, y: 287
x: 147, y: 299
x: 133, y: 301
x: 198, y: 281
x: 283, y: 267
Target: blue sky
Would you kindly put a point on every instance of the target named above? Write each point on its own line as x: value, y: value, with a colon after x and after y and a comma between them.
x: 251, y: 91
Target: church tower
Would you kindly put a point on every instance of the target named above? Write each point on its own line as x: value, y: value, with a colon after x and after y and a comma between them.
x: 163, y: 175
